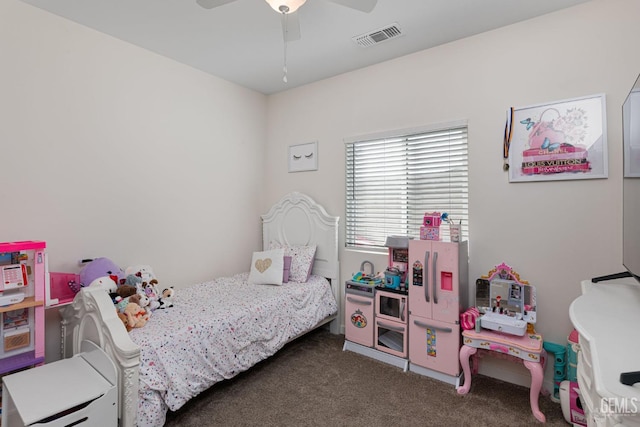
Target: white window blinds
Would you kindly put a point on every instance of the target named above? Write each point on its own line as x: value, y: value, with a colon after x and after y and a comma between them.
x: 393, y: 181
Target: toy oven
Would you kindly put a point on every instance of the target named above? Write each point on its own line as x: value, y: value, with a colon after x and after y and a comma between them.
x: 391, y: 331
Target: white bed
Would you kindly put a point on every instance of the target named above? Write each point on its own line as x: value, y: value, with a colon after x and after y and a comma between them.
x: 205, y: 338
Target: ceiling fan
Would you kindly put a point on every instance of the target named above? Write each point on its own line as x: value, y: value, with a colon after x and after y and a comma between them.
x: 290, y: 22
x: 288, y: 8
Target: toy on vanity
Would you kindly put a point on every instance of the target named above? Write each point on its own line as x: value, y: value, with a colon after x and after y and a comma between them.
x: 505, y: 302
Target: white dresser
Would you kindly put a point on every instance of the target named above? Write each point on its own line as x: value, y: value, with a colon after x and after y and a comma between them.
x: 607, y: 317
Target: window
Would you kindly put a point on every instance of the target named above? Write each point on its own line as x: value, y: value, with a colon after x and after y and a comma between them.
x: 393, y: 180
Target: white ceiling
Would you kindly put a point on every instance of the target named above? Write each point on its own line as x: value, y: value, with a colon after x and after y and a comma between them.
x: 242, y: 41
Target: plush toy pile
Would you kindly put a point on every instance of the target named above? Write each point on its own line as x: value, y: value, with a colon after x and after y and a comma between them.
x: 134, y: 291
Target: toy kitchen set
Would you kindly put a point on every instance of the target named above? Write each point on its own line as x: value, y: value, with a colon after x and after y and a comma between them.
x: 376, y: 307
x: 417, y: 299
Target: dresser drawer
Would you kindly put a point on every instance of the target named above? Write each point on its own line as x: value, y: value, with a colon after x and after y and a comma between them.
x: 585, y: 350
x: 587, y: 392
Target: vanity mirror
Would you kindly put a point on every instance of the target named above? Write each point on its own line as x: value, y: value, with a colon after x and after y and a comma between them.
x: 503, y: 295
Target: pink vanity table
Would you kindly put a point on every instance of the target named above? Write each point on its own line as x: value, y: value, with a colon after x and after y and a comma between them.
x: 508, y: 307
x: 527, y: 349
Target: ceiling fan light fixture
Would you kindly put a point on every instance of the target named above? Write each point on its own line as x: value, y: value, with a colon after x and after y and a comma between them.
x: 285, y: 6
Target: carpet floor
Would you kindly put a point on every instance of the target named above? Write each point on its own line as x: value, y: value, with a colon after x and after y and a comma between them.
x: 312, y: 382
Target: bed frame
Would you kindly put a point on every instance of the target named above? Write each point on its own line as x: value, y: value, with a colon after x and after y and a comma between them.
x: 295, y: 220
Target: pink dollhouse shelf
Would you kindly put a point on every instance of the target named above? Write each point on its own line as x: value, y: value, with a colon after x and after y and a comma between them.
x: 26, y: 303
x: 25, y: 245
x: 30, y: 335
x: 60, y: 292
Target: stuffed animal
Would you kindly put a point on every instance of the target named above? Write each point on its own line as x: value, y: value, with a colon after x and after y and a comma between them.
x: 166, y: 300
x: 125, y: 321
x: 144, y: 272
x: 100, y: 267
x: 106, y: 283
x: 141, y: 300
x: 124, y: 291
x: 143, y: 278
x: 151, y: 291
x: 137, y: 316
x: 121, y: 303
x: 133, y: 280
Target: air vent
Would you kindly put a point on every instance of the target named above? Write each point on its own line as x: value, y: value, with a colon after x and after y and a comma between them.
x: 378, y: 36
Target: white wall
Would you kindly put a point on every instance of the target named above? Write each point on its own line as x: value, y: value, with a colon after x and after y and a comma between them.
x: 553, y: 233
x: 129, y: 155
x: 123, y: 153
x: 111, y: 150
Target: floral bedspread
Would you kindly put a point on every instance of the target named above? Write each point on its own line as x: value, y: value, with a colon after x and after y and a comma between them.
x: 216, y: 330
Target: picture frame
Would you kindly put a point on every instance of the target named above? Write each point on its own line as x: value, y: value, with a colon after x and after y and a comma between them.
x: 303, y: 157
x: 562, y: 140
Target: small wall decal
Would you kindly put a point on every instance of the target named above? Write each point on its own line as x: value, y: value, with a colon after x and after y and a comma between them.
x: 303, y: 157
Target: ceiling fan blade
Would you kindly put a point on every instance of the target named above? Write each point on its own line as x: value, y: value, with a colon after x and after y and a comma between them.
x: 290, y: 27
x: 361, y: 5
x: 210, y: 4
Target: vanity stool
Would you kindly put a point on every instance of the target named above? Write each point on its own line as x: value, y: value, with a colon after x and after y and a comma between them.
x: 527, y: 349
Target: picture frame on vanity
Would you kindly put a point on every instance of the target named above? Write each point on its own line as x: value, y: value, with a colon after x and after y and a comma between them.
x: 303, y: 157
x: 562, y: 140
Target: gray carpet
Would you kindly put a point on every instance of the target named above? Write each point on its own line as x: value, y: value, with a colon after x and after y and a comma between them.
x: 312, y: 382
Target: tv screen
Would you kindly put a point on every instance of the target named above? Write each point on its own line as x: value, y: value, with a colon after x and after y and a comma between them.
x: 631, y: 182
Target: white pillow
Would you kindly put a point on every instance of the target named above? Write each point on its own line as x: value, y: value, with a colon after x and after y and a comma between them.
x: 267, y: 267
x: 302, y: 258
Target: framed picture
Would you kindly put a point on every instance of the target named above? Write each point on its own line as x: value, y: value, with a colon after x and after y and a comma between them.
x: 558, y: 141
x: 303, y: 157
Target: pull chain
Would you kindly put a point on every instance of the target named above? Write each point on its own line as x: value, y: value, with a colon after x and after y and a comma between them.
x: 284, y: 38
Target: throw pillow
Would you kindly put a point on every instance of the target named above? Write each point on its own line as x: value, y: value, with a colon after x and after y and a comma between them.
x: 302, y: 258
x: 267, y: 267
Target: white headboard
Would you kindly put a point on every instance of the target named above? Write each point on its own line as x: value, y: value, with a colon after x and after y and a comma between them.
x: 298, y: 220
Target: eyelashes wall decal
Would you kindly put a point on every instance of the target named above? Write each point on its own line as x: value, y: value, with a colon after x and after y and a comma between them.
x: 303, y: 157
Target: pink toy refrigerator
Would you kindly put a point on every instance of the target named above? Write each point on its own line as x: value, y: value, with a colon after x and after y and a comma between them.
x: 438, y: 293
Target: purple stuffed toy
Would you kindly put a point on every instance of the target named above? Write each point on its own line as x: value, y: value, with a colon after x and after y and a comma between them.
x: 101, y: 267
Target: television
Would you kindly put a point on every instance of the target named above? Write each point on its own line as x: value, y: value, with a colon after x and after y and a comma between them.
x: 630, y: 187
x: 631, y: 182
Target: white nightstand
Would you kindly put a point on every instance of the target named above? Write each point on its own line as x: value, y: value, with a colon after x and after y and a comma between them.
x: 82, y: 389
